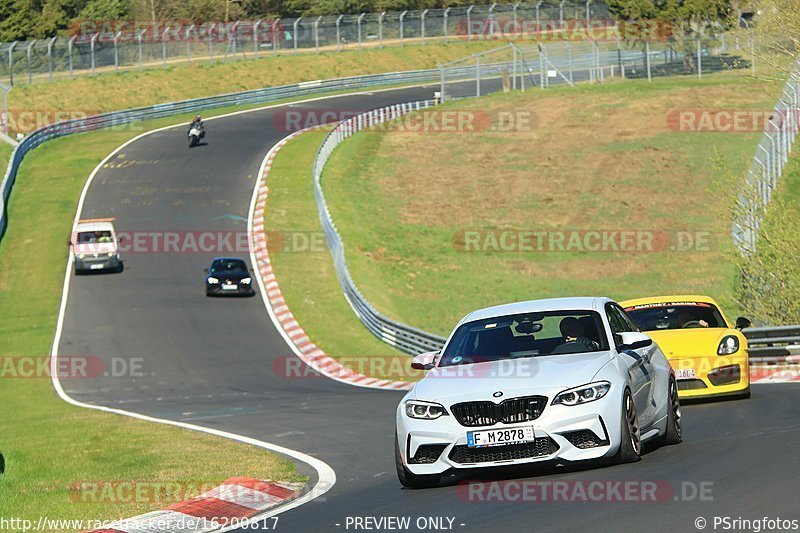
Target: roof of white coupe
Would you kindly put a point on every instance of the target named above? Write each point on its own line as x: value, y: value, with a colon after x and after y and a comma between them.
x: 581, y: 303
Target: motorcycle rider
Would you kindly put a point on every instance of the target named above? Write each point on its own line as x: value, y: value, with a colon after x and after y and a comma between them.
x: 198, y: 123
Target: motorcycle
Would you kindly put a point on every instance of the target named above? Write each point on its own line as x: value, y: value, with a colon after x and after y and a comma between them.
x: 195, y: 134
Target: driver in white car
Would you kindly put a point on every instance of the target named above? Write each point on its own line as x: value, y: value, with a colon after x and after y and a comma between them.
x: 574, y: 340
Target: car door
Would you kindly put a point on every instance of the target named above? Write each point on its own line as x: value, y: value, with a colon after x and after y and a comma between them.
x: 640, y: 368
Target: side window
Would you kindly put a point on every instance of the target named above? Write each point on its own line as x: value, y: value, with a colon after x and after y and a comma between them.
x: 628, y: 320
x: 617, y: 321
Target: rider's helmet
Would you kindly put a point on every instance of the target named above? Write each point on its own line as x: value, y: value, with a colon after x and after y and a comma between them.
x: 198, y: 118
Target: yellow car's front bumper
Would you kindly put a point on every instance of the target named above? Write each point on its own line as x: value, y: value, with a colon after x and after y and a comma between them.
x: 712, y: 375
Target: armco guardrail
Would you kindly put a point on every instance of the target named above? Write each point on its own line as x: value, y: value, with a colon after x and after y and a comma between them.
x: 258, y: 96
x: 779, y: 344
x: 406, y: 338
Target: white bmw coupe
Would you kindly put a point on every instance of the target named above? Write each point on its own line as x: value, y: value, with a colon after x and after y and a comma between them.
x: 560, y: 380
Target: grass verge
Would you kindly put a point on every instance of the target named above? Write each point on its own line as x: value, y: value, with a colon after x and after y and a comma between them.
x: 50, y: 446
x: 304, y: 266
x: 598, y: 158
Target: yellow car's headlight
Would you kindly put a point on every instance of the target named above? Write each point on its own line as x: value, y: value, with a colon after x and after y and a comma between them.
x: 728, y: 345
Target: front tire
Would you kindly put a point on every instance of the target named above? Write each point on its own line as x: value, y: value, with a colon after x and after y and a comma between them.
x: 408, y: 478
x: 674, y: 432
x: 630, y: 446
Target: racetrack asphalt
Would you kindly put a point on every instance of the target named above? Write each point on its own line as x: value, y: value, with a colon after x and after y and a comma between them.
x: 212, y: 362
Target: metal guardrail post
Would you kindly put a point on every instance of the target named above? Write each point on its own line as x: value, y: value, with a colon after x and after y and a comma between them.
x: 402, y: 27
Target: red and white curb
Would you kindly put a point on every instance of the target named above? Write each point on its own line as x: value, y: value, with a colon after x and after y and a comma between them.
x: 229, y: 504
x: 778, y: 373
x: 283, y: 318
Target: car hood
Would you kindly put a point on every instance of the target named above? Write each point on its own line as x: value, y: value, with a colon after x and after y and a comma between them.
x: 677, y: 343
x: 518, y: 377
x: 95, y: 248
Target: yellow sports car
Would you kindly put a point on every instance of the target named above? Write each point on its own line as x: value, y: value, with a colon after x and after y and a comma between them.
x: 709, y: 356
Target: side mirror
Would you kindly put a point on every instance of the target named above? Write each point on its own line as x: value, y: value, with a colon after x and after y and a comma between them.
x: 633, y: 340
x: 743, y: 322
x: 424, y: 361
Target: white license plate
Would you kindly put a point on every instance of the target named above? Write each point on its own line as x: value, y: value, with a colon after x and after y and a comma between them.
x: 229, y: 287
x: 685, y: 373
x: 95, y: 267
x: 496, y: 437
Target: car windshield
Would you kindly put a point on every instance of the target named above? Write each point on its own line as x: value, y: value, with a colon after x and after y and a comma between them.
x: 89, y: 237
x: 676, y: 315
x: 525, y: 335
x: 227, y: 265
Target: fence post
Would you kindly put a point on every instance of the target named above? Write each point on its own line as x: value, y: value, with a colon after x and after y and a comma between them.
x: 188, y: 44
x: 28, y: 58
x: 164, y: 45
x: 588, y: 14
x: 478, y: 76
x: 210, y: 39
x: 538, y: 22
x: 358, y: 23
x: 446, y: 36
x: 514, y: 71
x: 402, y: 27
x: 256, y: 27
x: 561, y: 13
x: 491, y: 19
x: 338, y: 38
x: 295, y: 27
x: 91, y: 47
x: 234, y: 38
x: 316, y: 33
x: 116, y: 50
x: 516, y: 5
x: 469, y: 22
x: 569, y: 59
x: 422, y: 24
x: 380, y: 28
x: 699, y: 60
x: 753, y: 52
x: 139, y: 40
x: 50, y: 57
x: 275, y: 37
x: 647, y: 54
x: 6, y: 89
x: 441, y: 82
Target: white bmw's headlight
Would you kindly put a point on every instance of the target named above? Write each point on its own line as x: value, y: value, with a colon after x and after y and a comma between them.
x: 213, y: 280
x: 81, y: 256
x: 246, y: 281
x: 583, y: 394
x: 728, y: 345
x: 110, y: 254
x: 425, y: 410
